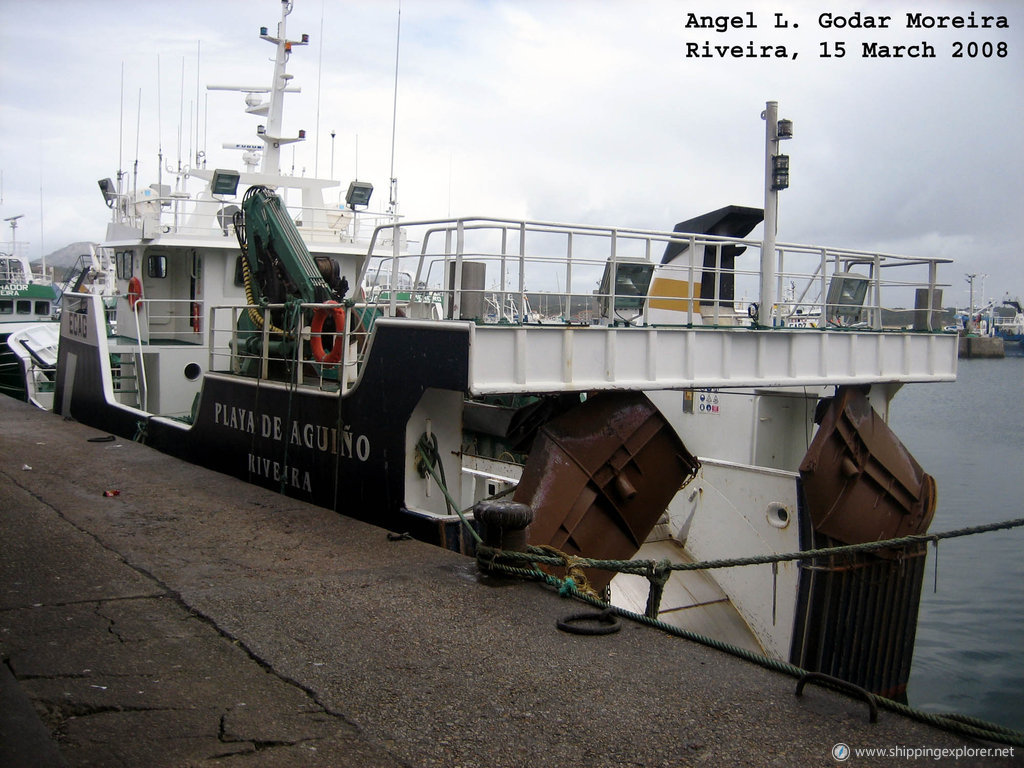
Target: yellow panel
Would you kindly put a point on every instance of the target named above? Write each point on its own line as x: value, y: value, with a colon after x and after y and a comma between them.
x: 674, y: 295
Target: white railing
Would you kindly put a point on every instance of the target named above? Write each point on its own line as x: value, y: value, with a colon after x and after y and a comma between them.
x: 268, y: 345
x: 183, y: 215
x: 500, y: 273
x: 533, y: 266
x: 155, y: 320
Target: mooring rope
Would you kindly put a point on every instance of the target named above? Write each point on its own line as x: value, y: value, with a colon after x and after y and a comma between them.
x: 658, y: 572
x: 644, y: 567
x: 954, y: 723
x: 425, y: 448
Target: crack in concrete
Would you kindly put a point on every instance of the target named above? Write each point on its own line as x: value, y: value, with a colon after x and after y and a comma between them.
x: 168, y: 592
x: 74, y: 603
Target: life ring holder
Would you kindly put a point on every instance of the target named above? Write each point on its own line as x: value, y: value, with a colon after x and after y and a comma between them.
x: 316, y: 343
x: 134, y: 292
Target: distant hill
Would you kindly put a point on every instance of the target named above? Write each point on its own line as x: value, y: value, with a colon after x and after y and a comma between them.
x: 64, y: 260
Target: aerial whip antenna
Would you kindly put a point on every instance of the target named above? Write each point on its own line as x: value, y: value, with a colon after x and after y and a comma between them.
x: 135, y: 168
x: 199, y: 153
x: 120, y: 135
x: 393, y: 202
x: 42, y: 248
x: 159, y: 134
x: 181, y: 113
x: 319, y: 78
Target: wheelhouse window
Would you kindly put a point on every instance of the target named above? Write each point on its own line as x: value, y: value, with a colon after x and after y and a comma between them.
x: 24, y: 307
x: 6, y: 307
x: 42, y: 307
x: 156, y: 265
x: 11, y: 271
x: 125, y: 262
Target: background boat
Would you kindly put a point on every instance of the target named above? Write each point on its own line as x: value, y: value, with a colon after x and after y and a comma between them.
x: 28, y: 300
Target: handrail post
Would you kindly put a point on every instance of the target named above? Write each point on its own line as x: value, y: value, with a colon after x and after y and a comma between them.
x: 718, y: 282
x: 932, y: 275
x: 393, y: 303
x: 691, y: 250
x: 522, y: 272
x: 460, y: 244
x: 567, y: 309
x: 140, y: 367
x: 299, y: 361
x: 876, y: 310
x: 823, y: 295
x: 265, y: 362
x: 503, y: 280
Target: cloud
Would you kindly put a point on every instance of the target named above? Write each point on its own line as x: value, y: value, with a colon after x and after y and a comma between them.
x: 566, y: 110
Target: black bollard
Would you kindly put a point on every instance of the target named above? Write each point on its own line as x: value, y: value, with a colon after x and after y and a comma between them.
x: 503, y: 523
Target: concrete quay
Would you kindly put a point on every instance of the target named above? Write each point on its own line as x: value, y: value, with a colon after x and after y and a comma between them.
x: 980, y: 346
x: 196, y: 620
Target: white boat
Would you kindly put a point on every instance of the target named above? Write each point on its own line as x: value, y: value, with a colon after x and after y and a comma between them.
x: 27, y: 300
x: 34, y: 349
x: 669, y: 422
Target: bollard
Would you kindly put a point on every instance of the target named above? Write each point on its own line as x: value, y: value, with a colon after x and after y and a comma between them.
x: 503, y: 523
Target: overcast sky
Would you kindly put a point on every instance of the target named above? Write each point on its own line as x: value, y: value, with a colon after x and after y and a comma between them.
x: 586, y: 111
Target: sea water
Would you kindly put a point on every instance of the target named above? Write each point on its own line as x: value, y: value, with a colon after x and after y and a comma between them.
x: 969, y: 656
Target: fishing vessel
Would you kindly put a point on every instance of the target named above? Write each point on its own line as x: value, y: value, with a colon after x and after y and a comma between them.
x: 1007, y: 322
x: 28, y: 324
x: 254, y: 334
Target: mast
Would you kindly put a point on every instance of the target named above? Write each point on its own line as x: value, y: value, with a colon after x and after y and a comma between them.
x: 271, y: 133
x: 776, y: 178
x: 273, y: 110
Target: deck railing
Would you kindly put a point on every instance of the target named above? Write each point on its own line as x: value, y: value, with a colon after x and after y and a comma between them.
x: 269, y: 347
x: 183, y: 215
x: 587, y: 274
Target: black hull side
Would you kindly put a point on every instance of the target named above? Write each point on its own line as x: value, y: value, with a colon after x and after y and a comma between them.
x: 344, y: 453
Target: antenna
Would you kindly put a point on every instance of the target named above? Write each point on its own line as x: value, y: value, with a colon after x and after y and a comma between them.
x: 42, y: 249
x: 332, y: 153
x: 181, y: 112
x: 138, y: 123
x: 195, y: 159
x: 120, y: 134
x: 159, y: 132
x: 319, y: 78
x: 393, y: 202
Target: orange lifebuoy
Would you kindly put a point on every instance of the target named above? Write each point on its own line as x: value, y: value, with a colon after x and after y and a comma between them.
x: 316, y: 328
x: 134, y: 292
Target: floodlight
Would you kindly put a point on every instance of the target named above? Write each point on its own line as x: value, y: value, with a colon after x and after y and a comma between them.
x: 224, y: 182
x: 109, y: 193
x: 358, y: 194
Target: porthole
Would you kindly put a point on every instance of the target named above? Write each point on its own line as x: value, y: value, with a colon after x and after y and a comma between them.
x: 777, y: 515
x: 193, y: 371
